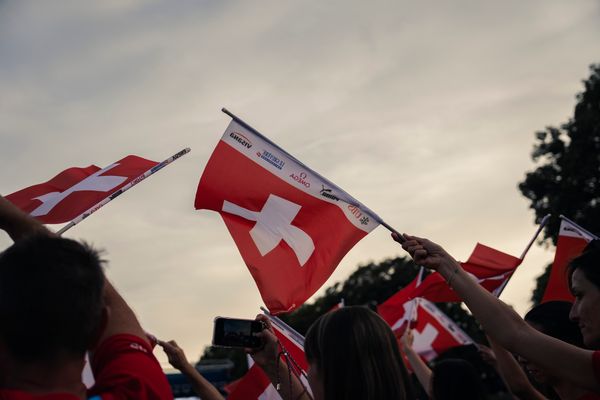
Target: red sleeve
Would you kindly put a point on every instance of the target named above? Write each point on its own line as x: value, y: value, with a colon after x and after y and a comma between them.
x: 596, y: 363
x: 125, y: 368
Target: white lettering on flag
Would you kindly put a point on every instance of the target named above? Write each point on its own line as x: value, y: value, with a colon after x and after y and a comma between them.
x: 274, y: 224
x: 94, y: 182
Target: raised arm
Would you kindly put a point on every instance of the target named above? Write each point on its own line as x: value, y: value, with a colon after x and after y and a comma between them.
x: 421, y: 370
x: 501, y: 322
x: 203, y: 388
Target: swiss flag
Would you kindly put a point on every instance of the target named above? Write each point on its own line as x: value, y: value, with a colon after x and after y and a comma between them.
x: 491, y: 268
x: 433, y: 331
x: 291, y: 226
x: 255, y: 385
x: 572, y: 239
x: 76, y: 190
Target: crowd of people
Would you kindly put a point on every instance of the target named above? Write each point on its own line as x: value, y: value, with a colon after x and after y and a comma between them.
x: 56, y: 306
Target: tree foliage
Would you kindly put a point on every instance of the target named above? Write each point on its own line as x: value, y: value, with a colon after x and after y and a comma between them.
x: 567, y: 178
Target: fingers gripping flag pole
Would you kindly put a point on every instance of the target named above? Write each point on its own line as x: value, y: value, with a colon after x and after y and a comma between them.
x: 122, y: 190
x: 292, y: 226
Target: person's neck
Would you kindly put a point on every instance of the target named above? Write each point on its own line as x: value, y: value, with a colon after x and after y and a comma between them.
x: 44, y: 378
x: 567, y: 391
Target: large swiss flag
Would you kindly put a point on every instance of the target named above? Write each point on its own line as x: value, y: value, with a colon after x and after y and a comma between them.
x: 291, y: 225
x: 76, y: 190
x: 572, y: 239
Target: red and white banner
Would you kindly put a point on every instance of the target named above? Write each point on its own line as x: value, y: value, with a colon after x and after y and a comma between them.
x: 255, y: 385
x: 76, y: 190
x: 433, y: 331
x: 572, y: 239
x: 291, y: 225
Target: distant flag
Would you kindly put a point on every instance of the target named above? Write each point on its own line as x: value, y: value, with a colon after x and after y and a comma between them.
x: 434, y: 332
x: 76, y: 193
x: 291, y: 225
x: 572, y: 239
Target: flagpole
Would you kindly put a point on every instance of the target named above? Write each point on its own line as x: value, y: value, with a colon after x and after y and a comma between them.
x: 282, y: 324
x: 543, y: 223
x: 578, y: 227
x: 125, y: 188
x: 346, y: 194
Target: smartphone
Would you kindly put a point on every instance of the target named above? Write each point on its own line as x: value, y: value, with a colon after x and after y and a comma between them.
x: 231, y: 332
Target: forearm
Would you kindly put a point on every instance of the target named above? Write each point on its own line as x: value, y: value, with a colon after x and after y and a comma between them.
x: 121, y: 318
x: 420, y: 369
x: 202, y: 387
x: 287, y: 383
x: 498, y: 319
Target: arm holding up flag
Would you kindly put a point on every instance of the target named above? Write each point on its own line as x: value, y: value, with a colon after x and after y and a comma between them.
x: 421, y: 370
x: 16, y: 223
x: 505, y: 325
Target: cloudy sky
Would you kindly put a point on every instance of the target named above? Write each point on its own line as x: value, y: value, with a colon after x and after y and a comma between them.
x: 425, y: 112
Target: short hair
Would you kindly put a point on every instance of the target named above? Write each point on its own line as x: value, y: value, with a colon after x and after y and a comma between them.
x: 456, y: 379
x: 51, y: 298
x: 553, y: 320
x: 357, y: 356
x: 588, y: 262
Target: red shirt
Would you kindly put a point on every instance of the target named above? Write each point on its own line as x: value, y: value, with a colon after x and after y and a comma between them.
x: 124, y: 369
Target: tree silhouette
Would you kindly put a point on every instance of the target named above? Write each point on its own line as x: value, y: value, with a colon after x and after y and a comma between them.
x: 567, y: 178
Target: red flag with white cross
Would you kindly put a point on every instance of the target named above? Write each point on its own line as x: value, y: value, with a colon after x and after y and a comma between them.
x: 433, y: 331
x: 572, y: 239
x: 291, y: 225
x: 75, y: 190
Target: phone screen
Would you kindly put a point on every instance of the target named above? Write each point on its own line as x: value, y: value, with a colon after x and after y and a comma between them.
x: 232, y: 332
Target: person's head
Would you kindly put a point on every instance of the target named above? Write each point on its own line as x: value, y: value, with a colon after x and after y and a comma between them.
x: 51, y: 301
x: 551, y: 318
x: 353, y: 354
x: 456, y: 379
x: 584, y: 280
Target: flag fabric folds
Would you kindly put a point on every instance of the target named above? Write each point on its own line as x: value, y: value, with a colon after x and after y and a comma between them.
x: 291, y: 226
x: 572, y: 239
x: 76, y: 190
x: 433, y: 331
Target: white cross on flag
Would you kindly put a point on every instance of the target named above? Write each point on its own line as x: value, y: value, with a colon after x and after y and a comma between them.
x: 291, y: 225
x: 76, y: 190
x: 433, y: 331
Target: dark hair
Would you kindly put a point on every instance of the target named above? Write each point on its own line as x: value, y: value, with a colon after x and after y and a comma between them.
x: 588, y: 262
x: 456, y: 379
x: 553, y: 319
x: 357, y: 356
x: 50, y: 298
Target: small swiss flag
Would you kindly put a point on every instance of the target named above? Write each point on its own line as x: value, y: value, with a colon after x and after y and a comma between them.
x: 572, y: 239
x: 291, y: 226
x: 76, y: 190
